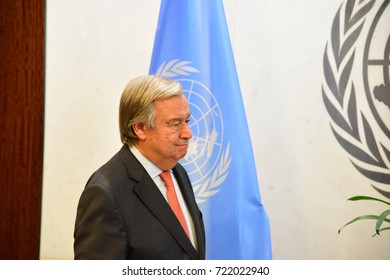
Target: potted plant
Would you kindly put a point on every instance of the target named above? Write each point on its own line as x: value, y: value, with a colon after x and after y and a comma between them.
x: 382, y: 222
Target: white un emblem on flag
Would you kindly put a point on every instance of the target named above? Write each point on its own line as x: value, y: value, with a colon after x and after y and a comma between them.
x: 206, y: 162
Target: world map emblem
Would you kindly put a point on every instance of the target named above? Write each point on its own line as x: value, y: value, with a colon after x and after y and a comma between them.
x: 208, y: 159
x: 356, y: 90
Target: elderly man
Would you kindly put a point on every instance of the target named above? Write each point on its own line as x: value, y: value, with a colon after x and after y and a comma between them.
x: 140, y: 204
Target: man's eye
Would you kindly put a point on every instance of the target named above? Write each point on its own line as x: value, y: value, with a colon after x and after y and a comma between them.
x: 175, y: 124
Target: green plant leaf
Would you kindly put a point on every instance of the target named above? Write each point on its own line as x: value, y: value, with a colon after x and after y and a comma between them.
x: 364, y: 217
x: 382, y: 229
x: 381, y: 219
x: 362, y: 197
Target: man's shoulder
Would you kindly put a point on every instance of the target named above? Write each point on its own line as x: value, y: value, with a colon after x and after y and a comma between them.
x: 113, y: 169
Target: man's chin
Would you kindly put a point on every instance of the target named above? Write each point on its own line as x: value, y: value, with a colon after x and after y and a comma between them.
x: 182, y: 154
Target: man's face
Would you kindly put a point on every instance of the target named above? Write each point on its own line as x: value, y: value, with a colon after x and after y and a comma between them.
x: 168, y: 141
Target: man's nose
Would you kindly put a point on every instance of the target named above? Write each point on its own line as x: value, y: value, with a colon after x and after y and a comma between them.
x: 186, y: 132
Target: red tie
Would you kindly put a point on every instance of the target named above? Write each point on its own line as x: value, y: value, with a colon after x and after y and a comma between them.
x: 173, y: 201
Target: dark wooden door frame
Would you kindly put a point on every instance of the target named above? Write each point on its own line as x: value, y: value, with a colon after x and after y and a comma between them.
x: 21, y: 126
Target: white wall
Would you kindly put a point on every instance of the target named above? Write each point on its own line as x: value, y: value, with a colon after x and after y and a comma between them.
x: 93, y: 47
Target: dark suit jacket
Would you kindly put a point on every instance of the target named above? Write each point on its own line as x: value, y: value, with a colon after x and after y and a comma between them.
x: 123, y: 215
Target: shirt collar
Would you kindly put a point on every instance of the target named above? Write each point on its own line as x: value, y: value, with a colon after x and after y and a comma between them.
x: 152, y: 169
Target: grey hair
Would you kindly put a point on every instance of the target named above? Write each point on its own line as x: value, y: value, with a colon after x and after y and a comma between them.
x: 137, y: 103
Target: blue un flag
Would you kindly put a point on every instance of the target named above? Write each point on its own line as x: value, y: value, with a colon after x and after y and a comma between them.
x: 192, y: 46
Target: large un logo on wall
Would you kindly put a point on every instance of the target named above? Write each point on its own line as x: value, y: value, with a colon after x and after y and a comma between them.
x: 207, y: 161
x: 356, y: 90
x: 376, y: 68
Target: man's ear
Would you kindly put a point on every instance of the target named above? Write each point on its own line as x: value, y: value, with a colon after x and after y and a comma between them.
x: 140, y: 130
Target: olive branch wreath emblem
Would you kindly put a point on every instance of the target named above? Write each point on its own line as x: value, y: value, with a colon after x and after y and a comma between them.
x: 339, y: 96
x: 209, y: 187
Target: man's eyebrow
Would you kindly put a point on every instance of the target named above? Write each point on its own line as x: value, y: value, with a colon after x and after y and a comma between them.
x: 179, y: 118
x: 175, y: 120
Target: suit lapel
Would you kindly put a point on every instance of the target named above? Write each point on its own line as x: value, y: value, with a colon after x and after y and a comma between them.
x: 188, y: 195
x: 151, y: 196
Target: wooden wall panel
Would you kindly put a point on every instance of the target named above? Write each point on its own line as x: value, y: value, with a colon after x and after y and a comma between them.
x: 21, y: 126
